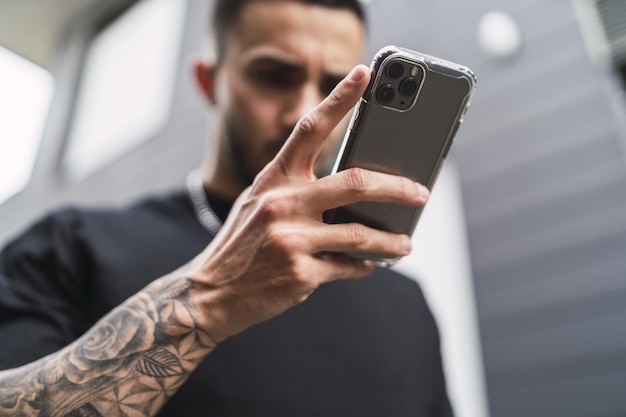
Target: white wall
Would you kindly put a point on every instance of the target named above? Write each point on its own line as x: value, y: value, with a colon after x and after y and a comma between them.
x: 440, y: 262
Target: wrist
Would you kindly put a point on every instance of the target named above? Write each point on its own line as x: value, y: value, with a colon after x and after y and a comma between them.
x: 210, y: 317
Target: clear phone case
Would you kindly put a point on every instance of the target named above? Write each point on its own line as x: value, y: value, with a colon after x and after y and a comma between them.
x: 403, y: 125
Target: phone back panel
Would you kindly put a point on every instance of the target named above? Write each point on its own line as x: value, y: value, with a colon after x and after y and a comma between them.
x: 412, y: 142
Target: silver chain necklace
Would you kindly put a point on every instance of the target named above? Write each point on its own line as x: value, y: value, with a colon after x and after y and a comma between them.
x: 201, y: 207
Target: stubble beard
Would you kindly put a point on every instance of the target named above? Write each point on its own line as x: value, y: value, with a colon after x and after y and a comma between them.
x: 246, y: 167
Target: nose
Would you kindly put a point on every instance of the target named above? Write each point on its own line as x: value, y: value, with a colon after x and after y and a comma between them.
x: 303, y: 101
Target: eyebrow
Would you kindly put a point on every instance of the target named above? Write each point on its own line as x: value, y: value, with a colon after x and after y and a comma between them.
x: 272, y: 61
x: 294, y: 67
x: 333, y: 78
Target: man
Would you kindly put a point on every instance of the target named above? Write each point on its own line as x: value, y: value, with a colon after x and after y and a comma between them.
x: 348, y: 347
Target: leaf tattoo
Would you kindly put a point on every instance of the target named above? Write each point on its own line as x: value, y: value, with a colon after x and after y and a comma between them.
x: 160, y: 363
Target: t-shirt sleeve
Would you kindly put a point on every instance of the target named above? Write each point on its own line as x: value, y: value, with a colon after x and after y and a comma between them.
x: 43, y: 280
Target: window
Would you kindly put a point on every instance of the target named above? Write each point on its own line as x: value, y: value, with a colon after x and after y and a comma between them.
x: 24, y: 103
x: 127, y: 84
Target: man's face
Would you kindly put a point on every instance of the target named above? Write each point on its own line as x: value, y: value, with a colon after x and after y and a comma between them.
x: 280, y: 61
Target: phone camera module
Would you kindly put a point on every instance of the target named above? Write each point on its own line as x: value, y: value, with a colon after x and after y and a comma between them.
x: 399, y: 85
x: 385, y: 93
x: 408, y: 87
x: 395, y: 70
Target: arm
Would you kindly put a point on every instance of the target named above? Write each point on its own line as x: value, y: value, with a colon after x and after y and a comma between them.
x: 137, y: 356
x: 264, y: 261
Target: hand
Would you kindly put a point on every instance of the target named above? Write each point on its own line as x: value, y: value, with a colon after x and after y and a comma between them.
x: 266, y: 257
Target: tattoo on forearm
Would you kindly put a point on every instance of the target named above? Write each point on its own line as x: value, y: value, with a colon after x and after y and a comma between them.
x: 130, y: 363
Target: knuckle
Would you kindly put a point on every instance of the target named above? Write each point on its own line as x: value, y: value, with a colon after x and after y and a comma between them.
x: 358, y: 237
x: 300, y: 274
x: 284, y: 240
x: 357, y: 180
x: 271, y: 206
x: 336, y: 97
x: 307, y: 124
x: 298, y: 278
x: 404, y: 187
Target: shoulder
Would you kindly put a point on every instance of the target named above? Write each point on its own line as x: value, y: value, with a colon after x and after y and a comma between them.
x: 149, y: 213
x: 73, y: 216
x: 53, y: 229
x: 69, y: 227
x: 167, y: 205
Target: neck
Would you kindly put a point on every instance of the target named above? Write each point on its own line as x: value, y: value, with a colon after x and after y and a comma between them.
x: 220, y: 185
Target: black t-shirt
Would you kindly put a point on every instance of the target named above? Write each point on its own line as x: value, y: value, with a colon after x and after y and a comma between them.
x: 364, y: 347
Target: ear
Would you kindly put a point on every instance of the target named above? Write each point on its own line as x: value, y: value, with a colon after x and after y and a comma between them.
x: 204, y: 73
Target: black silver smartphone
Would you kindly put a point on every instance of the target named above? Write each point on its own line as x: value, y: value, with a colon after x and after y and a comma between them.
x: 403, y: 125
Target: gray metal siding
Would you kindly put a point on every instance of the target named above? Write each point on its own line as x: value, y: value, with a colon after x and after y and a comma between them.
x: 541, y: 158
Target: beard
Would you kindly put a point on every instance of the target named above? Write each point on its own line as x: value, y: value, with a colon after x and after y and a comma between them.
x: 249, y: 162
x: 245, y: 167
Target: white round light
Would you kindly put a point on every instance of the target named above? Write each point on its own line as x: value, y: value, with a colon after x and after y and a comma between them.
x: 499, y: 36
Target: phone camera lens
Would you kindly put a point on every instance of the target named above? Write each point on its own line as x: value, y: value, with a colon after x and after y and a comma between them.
x: 408, y: 87
x: 385, y: 93
x: 395, y: 70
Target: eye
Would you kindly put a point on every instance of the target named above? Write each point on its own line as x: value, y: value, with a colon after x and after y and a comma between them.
x: 275, y: 78
x: 328, y: 84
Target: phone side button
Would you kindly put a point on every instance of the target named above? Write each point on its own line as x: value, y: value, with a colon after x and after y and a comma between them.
x: 354, y: 120
x: 451, y: 138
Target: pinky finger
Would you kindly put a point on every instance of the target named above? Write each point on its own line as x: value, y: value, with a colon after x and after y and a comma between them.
x: 337, y: 266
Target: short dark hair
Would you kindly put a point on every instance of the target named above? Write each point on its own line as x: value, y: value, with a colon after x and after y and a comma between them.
x: 226, y: 13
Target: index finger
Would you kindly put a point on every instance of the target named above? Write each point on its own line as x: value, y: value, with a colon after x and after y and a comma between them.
x: 306, y: 140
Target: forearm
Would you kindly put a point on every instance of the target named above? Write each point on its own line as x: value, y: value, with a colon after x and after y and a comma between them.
x: 136, y: 357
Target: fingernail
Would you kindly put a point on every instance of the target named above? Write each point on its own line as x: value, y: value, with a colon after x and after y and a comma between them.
x: 424, y: 192
x: 357, y: 74
x: 406, y: 245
